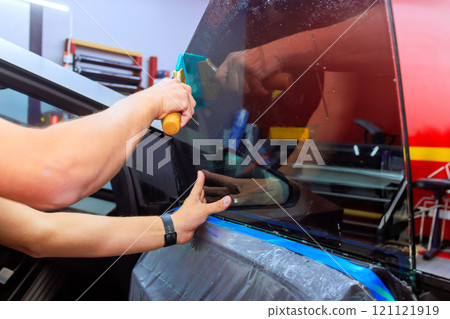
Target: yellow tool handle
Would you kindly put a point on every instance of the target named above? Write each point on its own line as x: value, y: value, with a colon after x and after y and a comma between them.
x: 171, y: 123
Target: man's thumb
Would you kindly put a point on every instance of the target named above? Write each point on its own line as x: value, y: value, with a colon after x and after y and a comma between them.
x: 219, y: 206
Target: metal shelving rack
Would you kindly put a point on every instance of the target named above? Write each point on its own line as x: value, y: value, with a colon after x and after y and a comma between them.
x: 125, y: 77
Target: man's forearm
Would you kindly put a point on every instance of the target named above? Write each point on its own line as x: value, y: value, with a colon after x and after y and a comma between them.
x: 75, y: 234
x: 83, y: 235
x: 99, y: 143
x: 55, y: 167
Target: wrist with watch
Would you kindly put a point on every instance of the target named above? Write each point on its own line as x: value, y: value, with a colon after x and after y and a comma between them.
x: 170, y: 237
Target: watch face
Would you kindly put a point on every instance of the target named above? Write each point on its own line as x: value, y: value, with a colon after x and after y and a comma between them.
x: 170, y: 239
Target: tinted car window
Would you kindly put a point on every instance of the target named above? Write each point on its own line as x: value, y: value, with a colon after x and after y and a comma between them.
x: 307, y: 91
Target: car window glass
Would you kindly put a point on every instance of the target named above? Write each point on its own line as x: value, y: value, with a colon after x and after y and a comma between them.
x: 21, y: 108
x: 314, y: 84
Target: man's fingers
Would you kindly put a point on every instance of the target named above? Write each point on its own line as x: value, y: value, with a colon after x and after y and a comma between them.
x: 187, y: 87
x: 198, y: 186
x: 190, y: 98
x: 188, y: 112
x: 193, y: 102
x: 185, y: 118
x: 202, y: 195
x: 219, y: 206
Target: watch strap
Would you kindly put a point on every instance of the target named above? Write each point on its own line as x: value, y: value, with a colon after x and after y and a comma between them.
x: 170, y: 238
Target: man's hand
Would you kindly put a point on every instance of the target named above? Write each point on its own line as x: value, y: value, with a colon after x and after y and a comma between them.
x: 195, y: 211
x: 168, y: 96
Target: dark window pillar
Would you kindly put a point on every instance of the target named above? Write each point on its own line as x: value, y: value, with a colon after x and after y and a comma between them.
x: 36, y: 22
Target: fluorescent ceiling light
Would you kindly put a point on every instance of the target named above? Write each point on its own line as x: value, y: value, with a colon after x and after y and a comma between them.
x: 49, y: 4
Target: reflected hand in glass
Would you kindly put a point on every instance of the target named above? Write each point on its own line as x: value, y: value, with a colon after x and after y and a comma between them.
x: 245, y: 71
x: 245, y: 191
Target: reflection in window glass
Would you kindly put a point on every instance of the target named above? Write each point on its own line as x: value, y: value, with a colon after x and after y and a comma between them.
x: 20, y: 108
x: 14, y: 105
x: 313, y: 83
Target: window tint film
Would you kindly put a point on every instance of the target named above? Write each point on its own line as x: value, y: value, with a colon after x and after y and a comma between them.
x: 301, y: 95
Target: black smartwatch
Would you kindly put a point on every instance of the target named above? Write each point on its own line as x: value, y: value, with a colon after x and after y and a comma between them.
x: 170, y: 238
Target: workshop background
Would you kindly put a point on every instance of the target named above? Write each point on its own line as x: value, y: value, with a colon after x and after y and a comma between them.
x: 376, y: 201
x: 152, y: 27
